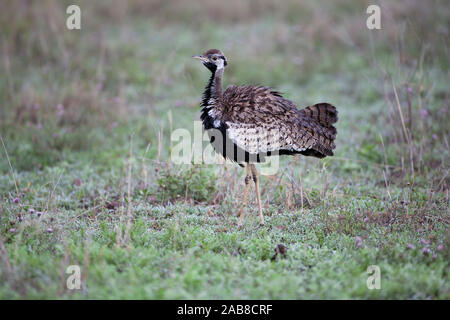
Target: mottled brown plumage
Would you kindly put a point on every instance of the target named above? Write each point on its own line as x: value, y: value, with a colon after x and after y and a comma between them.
x: 277, y: 121
x: 248, y: 123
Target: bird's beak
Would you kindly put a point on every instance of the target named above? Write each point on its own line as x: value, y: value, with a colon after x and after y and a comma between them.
x: 199, y: 58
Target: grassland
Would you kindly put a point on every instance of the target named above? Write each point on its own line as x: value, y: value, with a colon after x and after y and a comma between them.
x: 86, y: 178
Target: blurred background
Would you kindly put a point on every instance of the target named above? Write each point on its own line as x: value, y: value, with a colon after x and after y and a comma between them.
x: 86, y: 117
x: 66, y: 91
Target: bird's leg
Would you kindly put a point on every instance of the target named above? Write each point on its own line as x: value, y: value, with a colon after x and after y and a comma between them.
x: 248, y: 177
x: 258, y: 197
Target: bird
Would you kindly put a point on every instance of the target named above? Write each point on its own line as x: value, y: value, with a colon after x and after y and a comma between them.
x: 247, y: 123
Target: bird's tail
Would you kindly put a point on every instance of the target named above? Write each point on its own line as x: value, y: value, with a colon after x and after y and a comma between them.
x: 324, y: 113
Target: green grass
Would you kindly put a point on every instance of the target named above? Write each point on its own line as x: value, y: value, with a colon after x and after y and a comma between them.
x: 141, y: 227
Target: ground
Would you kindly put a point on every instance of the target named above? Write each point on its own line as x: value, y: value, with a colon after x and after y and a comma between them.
x: 86, y: 176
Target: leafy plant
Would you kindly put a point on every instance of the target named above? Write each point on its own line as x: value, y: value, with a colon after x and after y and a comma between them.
x: 195, y: 183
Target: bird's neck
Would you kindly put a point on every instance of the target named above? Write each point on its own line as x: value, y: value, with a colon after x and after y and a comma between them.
x: 213, y: 90
x: 211, y: 102
x: 216, y: 84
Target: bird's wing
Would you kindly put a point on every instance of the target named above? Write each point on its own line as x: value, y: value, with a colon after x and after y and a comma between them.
x: 259, y: 119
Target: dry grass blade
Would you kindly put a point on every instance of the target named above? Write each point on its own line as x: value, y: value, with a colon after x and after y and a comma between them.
x: 10, y: 166
x: 129, y: 198
x: 5, y: 258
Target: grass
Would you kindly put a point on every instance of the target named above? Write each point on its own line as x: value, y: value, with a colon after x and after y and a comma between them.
x: 86, y: 121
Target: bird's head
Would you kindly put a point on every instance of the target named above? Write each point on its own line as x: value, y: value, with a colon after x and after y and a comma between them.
x: 213, y: 59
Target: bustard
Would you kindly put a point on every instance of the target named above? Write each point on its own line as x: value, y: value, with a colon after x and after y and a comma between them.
x: 247, y: 123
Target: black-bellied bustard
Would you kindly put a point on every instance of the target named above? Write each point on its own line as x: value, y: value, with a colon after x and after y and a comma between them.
x: 248, y: 123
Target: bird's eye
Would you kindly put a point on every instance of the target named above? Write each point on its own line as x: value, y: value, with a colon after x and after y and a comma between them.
x: 214, y: 58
